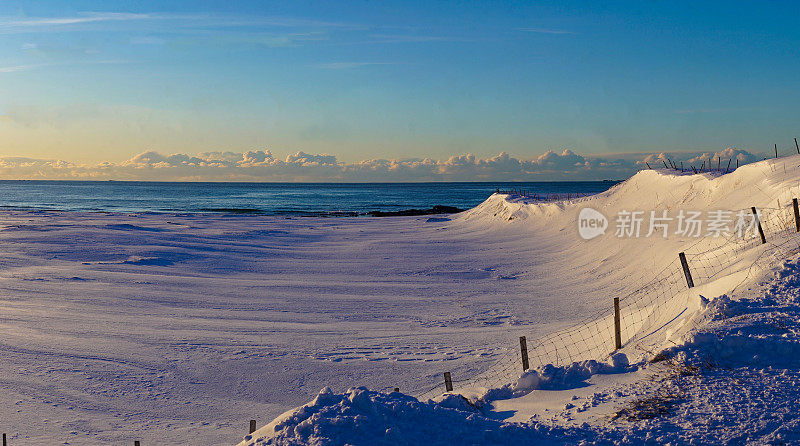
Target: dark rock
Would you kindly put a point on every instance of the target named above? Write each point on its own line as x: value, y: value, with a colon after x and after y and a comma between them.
x: 438, y: 209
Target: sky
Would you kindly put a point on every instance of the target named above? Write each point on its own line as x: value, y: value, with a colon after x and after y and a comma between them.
x: 97, y: 87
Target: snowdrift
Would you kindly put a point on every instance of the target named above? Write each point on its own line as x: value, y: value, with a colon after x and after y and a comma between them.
x: 659, y: 311
x: 364, y: 417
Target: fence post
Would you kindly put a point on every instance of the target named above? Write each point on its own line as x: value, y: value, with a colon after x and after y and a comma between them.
x: 135, y: 443
x: 4, y: 440
x: 523, y: 349
x: 252, y: 426
x: 617, y: 332
x: 796, y: 214
x: 760, y: 229
x: 686, y: 271
x: 448, y: 382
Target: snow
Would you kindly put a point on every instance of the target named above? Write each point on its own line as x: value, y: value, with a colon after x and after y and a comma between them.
x: 709, y: 380
x: 178, y: 329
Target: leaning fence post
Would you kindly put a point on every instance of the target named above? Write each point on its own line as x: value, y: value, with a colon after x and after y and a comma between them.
x: 252, y: 426
x: 796, y: 214
x: 448, y: 382
x: 523, y: 349
x: 617, y: 332
x: 686, y: 271
x: 760, y: 229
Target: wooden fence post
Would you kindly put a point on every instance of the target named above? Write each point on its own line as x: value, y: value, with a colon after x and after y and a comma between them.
x: 523, y: 349
x: 796, y: 214
x: 776, y: 150
x: 4, y: 440
x: 796, y: 146
x: 252, y: 426
x: 760, y: 229
x: 686, y: 271
x: 617, y: 330
x: 448, y: 382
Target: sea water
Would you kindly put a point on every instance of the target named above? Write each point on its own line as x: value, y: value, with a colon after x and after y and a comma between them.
x: 299, y: 199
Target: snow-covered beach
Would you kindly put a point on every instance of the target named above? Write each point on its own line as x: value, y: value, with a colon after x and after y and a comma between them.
x: 266, y: 223
x: 173, y: 327
x: 179, y: 329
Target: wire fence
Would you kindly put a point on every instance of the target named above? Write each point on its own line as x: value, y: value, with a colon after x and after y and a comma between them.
x: 736, y: 256
x: 547, y: 196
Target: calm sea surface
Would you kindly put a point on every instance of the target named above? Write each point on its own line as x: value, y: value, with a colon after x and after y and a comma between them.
x: 312, y: 199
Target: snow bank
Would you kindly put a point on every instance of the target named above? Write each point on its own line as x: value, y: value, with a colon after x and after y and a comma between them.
x: 550, y: 377
x: 733, y: 381
x: 644, y: 271
x: 657, y: 323
x: 364, y: 417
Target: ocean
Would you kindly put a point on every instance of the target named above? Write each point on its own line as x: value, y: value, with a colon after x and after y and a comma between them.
x: 296, y: 199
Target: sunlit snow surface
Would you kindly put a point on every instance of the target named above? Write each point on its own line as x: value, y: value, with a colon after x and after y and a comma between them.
x: 178, y: 329
x: 167, y: 327
x: 722, y: 371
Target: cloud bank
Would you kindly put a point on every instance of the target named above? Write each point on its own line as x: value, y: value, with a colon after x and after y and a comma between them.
x: 262, y: 165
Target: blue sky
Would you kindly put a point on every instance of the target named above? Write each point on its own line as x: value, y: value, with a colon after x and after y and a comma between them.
x: 93, y: 82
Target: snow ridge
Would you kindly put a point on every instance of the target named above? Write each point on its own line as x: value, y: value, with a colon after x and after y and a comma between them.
x: 663, y: 320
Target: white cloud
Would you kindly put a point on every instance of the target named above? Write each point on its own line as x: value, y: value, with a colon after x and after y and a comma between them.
x: 15, y: 25
x: 86, y: 18
x: 14, y: 69
x: 261, y: 165
x: 698, y: 159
